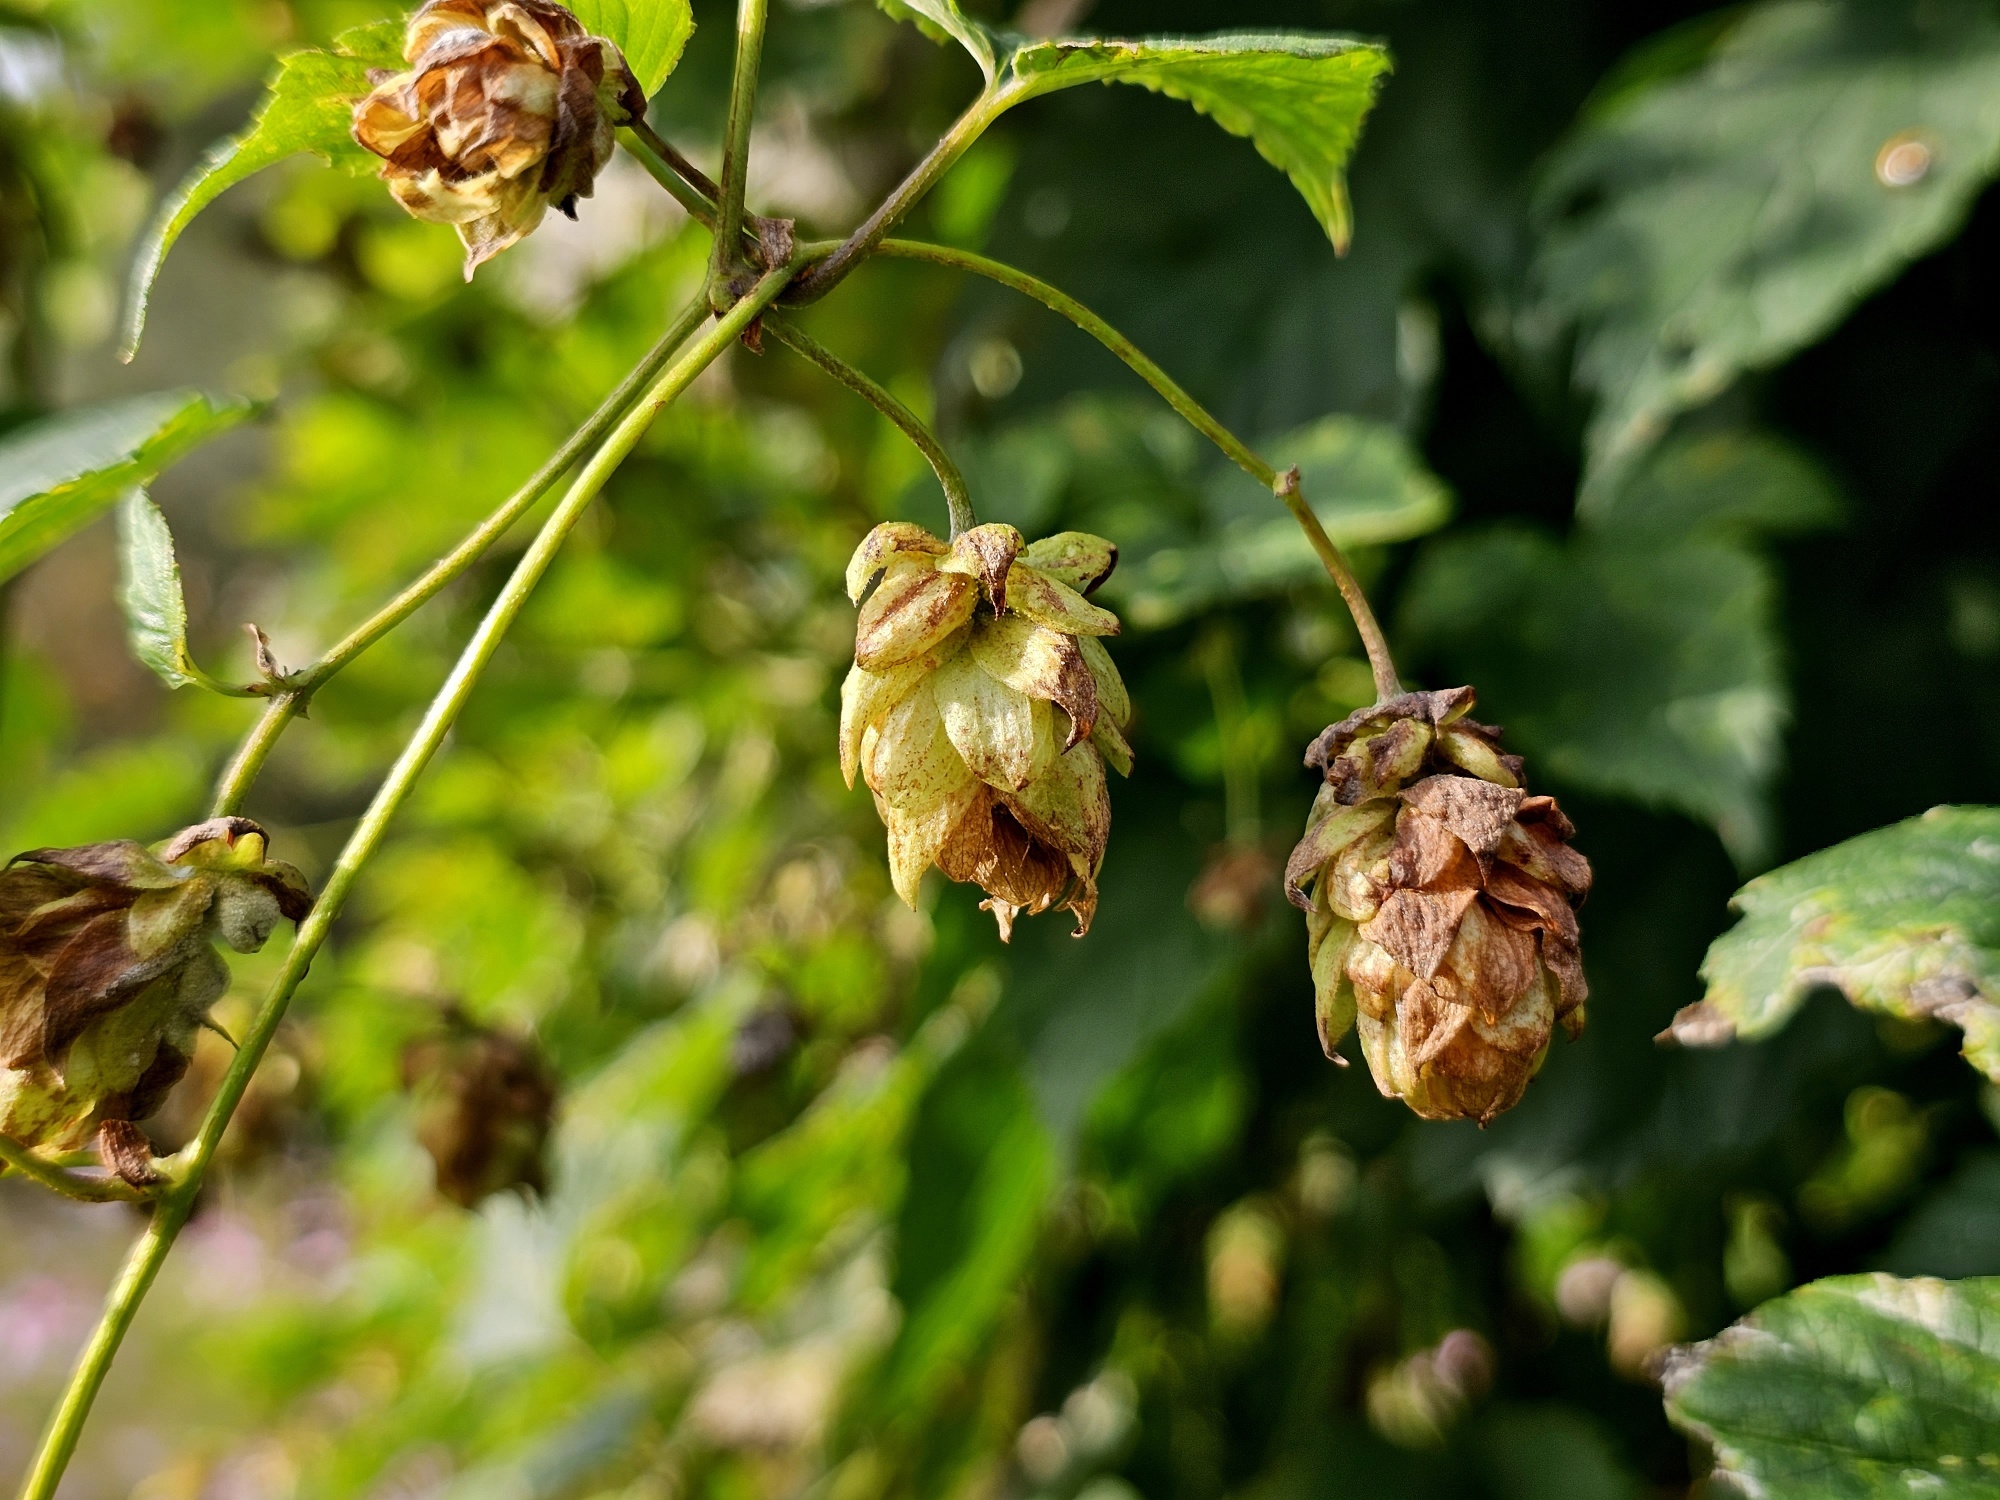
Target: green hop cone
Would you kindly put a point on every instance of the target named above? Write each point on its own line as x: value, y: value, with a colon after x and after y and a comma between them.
x: 108, y: 969
x: 1442, y: 906
x: 962, y: 655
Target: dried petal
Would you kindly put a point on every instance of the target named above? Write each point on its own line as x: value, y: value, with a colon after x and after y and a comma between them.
x: 912, y: 612
x: 1477, y: 811
x: 1056, y: 605
x: 1327, y: 837
x: 986, y: 553
x: 888, y: 545
x: 1043, y: 664
x: 1112, y: 698
x: 1113, y: 746
x: 1073, y: 557
x: 990, y: 724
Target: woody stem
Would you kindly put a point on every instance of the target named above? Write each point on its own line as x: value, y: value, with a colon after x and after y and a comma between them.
x: 175, y: 1206
x: 957, y: 497
x: 1285, y: 486
x: 750, y: 15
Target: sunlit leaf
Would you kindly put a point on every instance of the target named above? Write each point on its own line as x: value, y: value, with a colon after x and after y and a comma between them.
x: 151, y: 594
x: 1363, y: 482
x: 944, y: 20
x: 1639, y: 660
x: 1300, y: 98
x: 651, y: 33
x: 1734, y: 212
x: 58, y: 474
x: 1904, y: 920
x: 1851, y: 1388
x: 309, y: 108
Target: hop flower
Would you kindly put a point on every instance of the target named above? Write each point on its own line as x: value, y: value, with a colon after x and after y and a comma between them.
x: 487, y: 1104
x: 508, y: 106
x: 1442, y: 914
x: 961, y: 657
x: 108, y: 969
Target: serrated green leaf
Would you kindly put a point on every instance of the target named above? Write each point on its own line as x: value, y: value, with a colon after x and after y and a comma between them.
x: 1364, y: 483
x: 651, y: 33
x: 58, y: 474
x: 309, y: 108
x: 1904, y: 920
x: 1733, y: 213
x: 1299, y: 98
x: 942, y: 20
x: 149, y: 590
x: 1849, y: 1389
x: 1636, y: 660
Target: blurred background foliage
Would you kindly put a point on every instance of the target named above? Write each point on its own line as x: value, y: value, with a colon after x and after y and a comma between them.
x: 1664, y: 328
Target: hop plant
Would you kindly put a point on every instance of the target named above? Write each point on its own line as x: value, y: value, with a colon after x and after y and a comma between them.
x: 508, y: 106
x: 1442, y: 908
x: 962, y: 655
x: 108, y: 969
x: 486, y: 1105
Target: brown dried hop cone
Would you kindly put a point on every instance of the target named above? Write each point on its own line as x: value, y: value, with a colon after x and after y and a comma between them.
x: 108, y: 969
x: 487, y: 1102
x: 508, y: 106
x: 1442, y: 912
x: 963, y: 653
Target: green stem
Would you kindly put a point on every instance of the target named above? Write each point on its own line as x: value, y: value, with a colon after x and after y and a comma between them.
x: 1241, y: 821
x: 750, y: 16
x: 70, y: 1184
x: 830, y: 271
x: 257, y: 745
x: 1285, y: 486
x: 143, y: 1265
x: 957, y: 497
x: 686, y: 183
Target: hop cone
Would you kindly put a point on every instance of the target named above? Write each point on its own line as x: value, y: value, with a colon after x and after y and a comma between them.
x: 962, y: 656
x: 1442, y: 908
x: 487, y: 1102
x: 108, y: 969
x: 507, y: 107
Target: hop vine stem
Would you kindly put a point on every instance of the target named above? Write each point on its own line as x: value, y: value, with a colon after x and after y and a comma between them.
x: 176, y: 1204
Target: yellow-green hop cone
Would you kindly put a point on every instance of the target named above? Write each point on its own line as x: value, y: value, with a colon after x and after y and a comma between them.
x: 108, y: 968
x: 963, y: 655
x: 1440, y: 901
x: 508, y: 106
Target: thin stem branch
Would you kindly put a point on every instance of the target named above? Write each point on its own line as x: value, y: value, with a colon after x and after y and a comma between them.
x: 957, y: 497
x: 691, y: 187
x: 150, y: 1252
x: 750, y: 16
x: 85, y: 1189
x: 829, y: 272
x: 1285, y: 486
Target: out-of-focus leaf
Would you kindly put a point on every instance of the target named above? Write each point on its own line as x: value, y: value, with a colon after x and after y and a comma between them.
x: 1640, y: 661
x: 1363, y: 482
x: 1904, y: 920
x: 309, y: 108
x: 651, y: 33
x: 1526, y: 1447
x: 150, y: 591
x: 943, y: 20
x: 1299, y: 97
x: 1857, y: 1386
x: 1956, y: 1230
x: 142, y: 789
x: 58, y: 474
x: 1734, y: 213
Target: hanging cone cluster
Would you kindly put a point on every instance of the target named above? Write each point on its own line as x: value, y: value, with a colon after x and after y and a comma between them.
x: 108, y: 968
x: 963, y: 653
x: 1442, y: 906
x: 508, y: 106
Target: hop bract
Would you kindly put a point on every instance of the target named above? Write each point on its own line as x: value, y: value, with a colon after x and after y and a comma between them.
x: 1442, y: 909
x: 508, y: 106
x: 963, y: 655
x: 108, y: 969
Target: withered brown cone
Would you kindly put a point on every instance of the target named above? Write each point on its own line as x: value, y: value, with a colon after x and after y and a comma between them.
x: 486, y: 1104
x: 508, y: 106
x: 108, y: 968
x: 1442, y: 906
x: 963, y: 654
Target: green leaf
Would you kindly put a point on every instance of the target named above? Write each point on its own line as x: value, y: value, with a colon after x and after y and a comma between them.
x: 943, y: 20
x: 56, y: 475
x: 1300, y: 98
x: 1904, y: 920
x: 1364, y: 483
x: 1851, y: 1388
x: 309, y: 108
x: 651, y: 33
x: 1640, y: 658
x: 149, y: 589
x: 1730, y: 214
